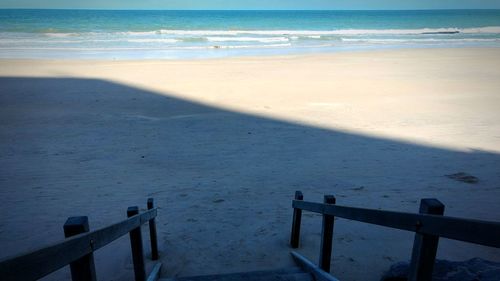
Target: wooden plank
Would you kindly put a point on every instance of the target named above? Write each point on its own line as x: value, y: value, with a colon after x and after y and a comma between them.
x: 325, y: 250
x: 82, y: 269
x: 285, y: 277
x: 308, y: 266
x: 296, y: 221
x: 425, y: 246
x: 152, y: 233
x: 38, y: 263
x: 468, y: 230
x: 295, y: 274
x: 137, y: 249
x: 155, y: 273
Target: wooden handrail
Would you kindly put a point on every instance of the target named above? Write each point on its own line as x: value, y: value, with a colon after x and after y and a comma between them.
x: 39, y: 263
x: 429, y: 225
x: 468, y: 230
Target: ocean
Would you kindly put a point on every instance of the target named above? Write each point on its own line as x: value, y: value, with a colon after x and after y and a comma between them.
x: 140, y: 34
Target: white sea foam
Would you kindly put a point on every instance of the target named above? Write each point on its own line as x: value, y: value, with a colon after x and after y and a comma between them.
x: 166, y: 42
x: 58, y: 41
x: 483, y: 30
x: 148, y: 48
x: 247, y: 39
x: 59, y: 35
x: 33, y: 41
x: 251, y: 46
x: 488, y: 29
x: 107, y: 49
x: 140, y: 33
x: 293, y: 34
x: 153, y: 40
x: 233, y: 46
x: 201, y: 32
x: 423, y: 40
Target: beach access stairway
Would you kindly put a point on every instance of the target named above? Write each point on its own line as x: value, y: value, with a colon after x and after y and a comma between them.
x: 289, y: 274
x: 305, y: 271
x: 428, y: 225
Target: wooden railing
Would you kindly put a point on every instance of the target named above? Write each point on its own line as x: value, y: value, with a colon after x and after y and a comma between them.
x: 77, y: 249
x: 429, y: 225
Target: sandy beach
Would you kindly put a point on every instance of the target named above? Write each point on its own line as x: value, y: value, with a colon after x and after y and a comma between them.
x: 222, y: 145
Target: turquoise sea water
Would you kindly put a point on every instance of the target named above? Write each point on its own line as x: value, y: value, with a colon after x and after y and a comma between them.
x: 203, y: 34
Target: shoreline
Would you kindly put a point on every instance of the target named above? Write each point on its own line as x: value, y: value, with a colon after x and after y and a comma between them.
x: 266, y: 56
x: 319, y: 55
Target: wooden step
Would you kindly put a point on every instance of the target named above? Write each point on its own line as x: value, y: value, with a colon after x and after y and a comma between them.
x: 288, y: 274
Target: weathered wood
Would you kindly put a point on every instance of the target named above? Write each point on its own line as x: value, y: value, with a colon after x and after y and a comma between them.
x: 39, y: 263
x: 325, y: 252
x: 307, y: 265
x: 296, y: 221
x: 82, y: 269
x: 238, y: 277
x: 155, y: 273
x: 292, y: 274
x: 152, y: 233
x: 468, y: 230
x: 137, y: 249
x: 425, y: 245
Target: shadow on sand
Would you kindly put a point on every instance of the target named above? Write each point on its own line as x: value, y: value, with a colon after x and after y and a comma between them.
x: 223, y: 179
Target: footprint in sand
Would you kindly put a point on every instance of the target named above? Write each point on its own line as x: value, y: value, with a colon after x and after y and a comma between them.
x: 260, y: 231
x: 345, y: 239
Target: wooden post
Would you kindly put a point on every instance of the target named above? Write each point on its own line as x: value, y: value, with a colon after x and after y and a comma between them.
x: 136, y: 245
x: 425, y: 246
x: 325, y: 254
x: 152, y: 232
x: 297, y: 218
x: 82, y: 269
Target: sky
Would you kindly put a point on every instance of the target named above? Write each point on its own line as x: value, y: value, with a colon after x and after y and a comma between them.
x: 254, y: 4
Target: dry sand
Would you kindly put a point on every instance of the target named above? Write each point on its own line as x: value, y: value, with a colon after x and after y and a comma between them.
x: 223, y: 144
